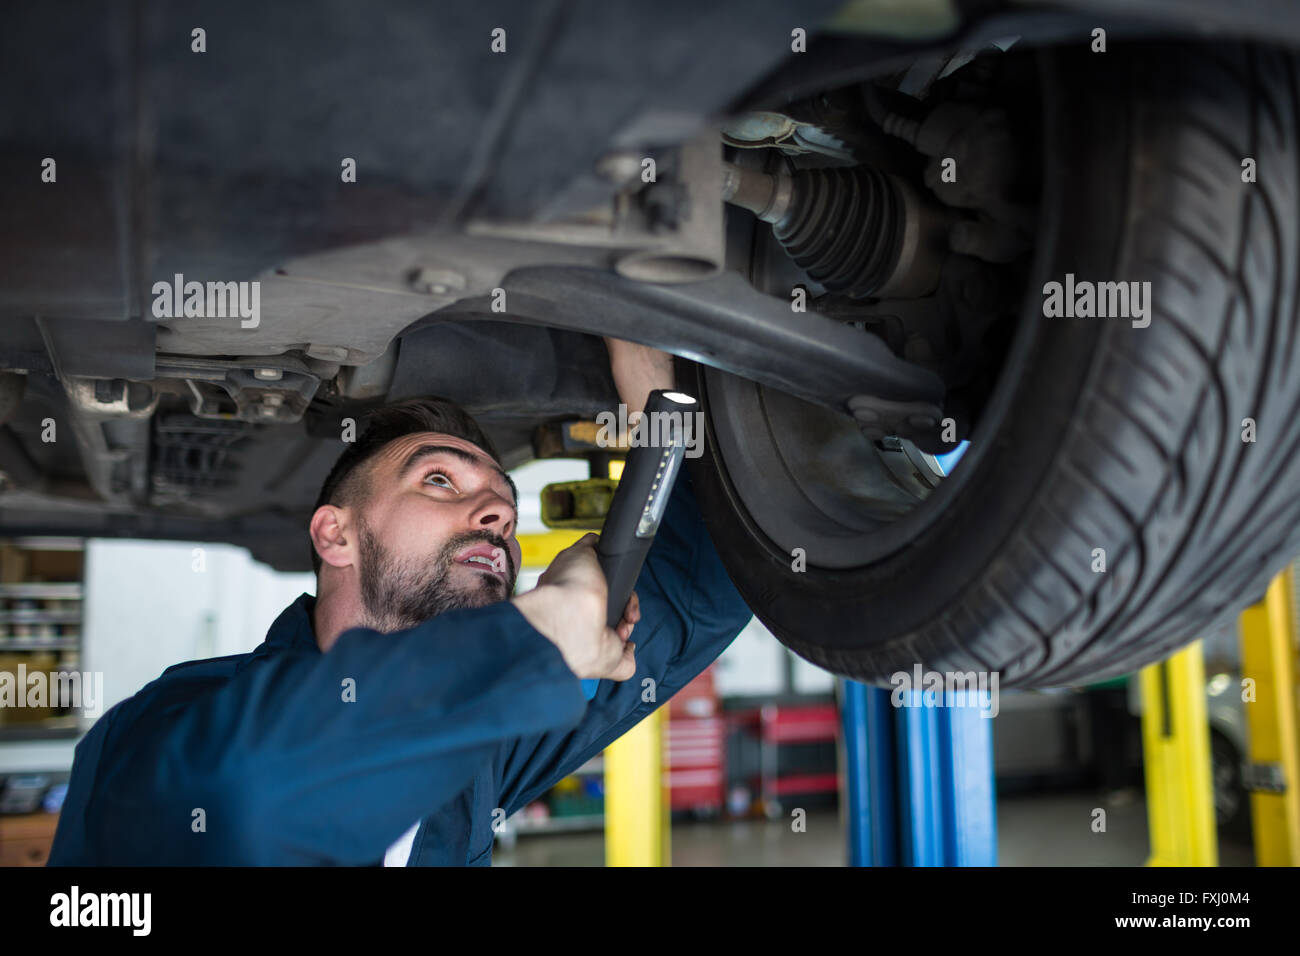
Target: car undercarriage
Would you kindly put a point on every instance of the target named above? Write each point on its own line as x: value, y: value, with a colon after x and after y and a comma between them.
x: 837, y: 221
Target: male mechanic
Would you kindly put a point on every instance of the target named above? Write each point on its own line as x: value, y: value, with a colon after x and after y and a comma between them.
x: 413, y: 703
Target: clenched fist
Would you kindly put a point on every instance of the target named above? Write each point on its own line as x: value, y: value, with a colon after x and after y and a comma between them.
x: 568, y: 608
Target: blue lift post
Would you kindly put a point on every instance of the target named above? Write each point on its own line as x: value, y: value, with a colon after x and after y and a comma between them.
x: 920, y: 779
x: 970, y: 815
x: 869, y: 751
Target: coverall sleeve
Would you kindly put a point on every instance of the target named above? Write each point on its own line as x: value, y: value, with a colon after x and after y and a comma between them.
x: 690, y: 612
x: 287, y: 769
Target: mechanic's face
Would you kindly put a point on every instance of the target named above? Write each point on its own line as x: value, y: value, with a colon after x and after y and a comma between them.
x: 437, y: 531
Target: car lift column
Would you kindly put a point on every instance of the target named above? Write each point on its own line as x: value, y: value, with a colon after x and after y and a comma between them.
x: 636, y: 807
x: 938, y: 759
x: 1176, y: 754
x: 1268, y: 657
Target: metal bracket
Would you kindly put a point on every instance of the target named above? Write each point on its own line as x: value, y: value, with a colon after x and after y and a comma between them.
x: 274, y: 390
x: 1264, y: 778
x: 879, y: 417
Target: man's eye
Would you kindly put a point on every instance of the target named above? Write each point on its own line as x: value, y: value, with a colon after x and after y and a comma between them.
x: 438, y: 474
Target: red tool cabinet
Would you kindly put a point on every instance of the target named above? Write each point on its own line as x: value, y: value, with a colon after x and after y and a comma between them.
x: 695, y: 750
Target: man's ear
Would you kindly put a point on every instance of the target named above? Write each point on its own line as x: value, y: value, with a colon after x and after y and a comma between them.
x: 332, y: 536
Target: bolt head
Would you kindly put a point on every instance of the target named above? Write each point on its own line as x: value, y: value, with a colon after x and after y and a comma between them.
x: 432, y: 281
x: 618, y: 167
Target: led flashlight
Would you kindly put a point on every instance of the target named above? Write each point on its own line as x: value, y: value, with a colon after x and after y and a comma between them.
x: 658, y: 445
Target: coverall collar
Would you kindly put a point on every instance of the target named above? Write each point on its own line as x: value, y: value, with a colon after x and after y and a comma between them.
x: 293, y: 629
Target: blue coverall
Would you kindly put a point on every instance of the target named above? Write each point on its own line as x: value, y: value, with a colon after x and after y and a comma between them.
x: 471, y: 712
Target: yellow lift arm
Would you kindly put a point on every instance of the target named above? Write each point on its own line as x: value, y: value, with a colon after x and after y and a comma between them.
x: 1268, y: 669
x: 1176, y: 751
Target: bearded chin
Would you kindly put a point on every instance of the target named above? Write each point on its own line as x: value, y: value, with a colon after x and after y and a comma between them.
x: 399, y: 594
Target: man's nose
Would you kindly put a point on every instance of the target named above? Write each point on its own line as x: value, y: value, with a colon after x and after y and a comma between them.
x: 495, y: 515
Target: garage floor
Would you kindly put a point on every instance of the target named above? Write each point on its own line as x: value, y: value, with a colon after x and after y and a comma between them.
x: 1032, y: 831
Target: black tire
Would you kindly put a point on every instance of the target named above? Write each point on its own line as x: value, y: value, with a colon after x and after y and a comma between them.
x: 1109, y: 436
x: 1231, y: 799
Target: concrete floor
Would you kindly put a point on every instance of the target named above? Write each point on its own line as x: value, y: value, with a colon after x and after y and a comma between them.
x: 1036, y: 830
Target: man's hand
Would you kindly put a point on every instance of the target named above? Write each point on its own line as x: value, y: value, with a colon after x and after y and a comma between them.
x: 638, y: 370
x: 568, y: 608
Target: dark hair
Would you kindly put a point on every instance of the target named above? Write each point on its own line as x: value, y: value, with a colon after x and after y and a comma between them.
x: 346, y: 483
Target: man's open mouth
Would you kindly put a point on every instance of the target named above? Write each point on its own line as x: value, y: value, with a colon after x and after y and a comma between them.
x: 487, y: 557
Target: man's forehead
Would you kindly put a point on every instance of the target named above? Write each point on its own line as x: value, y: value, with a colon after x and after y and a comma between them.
x: 396, y: 451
